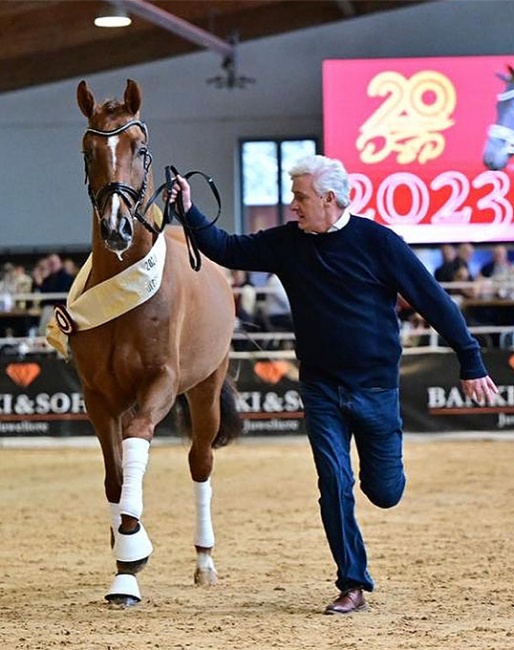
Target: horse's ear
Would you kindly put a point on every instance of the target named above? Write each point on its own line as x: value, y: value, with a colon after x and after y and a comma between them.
x: 85, y: 99
x: 511, y: 72
x: 132, y: 97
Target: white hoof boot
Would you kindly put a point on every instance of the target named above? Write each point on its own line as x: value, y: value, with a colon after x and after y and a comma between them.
x: 124, y: 590
x: 132, y: 547
x: 205, y: 574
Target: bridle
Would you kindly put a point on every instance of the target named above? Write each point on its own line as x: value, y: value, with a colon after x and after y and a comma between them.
x: 501, y: 132
x: 133, y: 198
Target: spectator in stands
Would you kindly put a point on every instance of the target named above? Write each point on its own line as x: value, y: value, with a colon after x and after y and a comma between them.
x: 22, y: 284
x: 277, y: 309
x: 71, y: 267
x: 500, y: 267
x: 7, y: 287
x: 245, y: 296
x: 465, y: 254
x: 496, y: 280
x: 444, y: 272
x: 462, y: 274
x: 342, y: 274
x: 58, y: 280
x: 40, y: 271
x: 410, y: 322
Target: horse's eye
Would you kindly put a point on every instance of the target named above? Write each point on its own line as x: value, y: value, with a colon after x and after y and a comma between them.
x: 142, y: 152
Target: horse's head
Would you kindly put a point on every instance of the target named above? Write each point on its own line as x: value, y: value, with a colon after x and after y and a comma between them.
x: 499, y: 146
x: 117, y: 162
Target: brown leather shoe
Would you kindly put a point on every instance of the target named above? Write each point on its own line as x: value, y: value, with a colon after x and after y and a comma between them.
x: 349, y: 601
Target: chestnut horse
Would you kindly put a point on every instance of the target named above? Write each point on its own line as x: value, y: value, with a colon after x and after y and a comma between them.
x: 165, y: 331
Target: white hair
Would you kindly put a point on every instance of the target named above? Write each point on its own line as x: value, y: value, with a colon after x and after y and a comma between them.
x: 329, y: 175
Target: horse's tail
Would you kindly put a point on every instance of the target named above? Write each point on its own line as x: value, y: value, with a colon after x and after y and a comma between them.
x: 231, y: 425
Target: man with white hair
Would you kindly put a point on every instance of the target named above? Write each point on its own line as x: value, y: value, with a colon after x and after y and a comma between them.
x: 342, y: 274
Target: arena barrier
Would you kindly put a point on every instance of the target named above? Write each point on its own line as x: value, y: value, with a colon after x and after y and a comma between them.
x: 40, y: 395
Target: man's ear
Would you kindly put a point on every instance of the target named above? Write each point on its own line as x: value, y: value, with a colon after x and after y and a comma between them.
x: 330, y: 197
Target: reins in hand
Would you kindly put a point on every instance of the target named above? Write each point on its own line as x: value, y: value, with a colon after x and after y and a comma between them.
x: 176, y: 210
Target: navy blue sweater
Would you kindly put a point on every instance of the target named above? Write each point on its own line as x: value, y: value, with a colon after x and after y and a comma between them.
x: 343, y: 289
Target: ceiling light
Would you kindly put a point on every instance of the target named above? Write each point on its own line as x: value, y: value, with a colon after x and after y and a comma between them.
x: 113, y: 15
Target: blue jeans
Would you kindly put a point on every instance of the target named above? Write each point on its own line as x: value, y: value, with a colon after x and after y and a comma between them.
x: 333, y: 414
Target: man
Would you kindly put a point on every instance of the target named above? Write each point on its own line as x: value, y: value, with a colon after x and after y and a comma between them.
x: 342, y: 274
x: 499, y: 267
x: 444, y: 272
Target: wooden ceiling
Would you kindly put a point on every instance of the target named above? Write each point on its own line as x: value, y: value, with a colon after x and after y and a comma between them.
x: 43, y: 41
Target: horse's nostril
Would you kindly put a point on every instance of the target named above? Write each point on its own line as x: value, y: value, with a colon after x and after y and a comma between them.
x: 125, y: 229
x: 104, y: 230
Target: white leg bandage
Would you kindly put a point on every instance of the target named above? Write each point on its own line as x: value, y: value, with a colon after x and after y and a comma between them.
x: 114, y: 510
x: 135, y: 459
x: 204, y: 534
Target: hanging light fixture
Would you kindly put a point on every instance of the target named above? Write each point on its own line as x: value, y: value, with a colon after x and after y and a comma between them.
x: 113, y: 15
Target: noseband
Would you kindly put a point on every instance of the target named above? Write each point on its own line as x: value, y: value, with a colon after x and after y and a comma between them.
x: 501, y: 132
x: 131, y: 197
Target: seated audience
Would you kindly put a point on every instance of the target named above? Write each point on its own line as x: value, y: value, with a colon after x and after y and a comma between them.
x: 496, y: 277
x: 22, y: 284
x: 462, y: 274
x: 499, y: 266
x: 276, y: 306
x: 245, y: 297
x: 7, y: 287
x: 58, y: 280
x: 410, y: 323
x: 464, y: 257
x: 444, y: 272
x: 70, y: 266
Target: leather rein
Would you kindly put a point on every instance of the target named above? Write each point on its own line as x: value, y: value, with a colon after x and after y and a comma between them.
x: 133, y: 198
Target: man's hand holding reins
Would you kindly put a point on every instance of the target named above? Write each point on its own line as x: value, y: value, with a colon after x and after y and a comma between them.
x: 182, y: 186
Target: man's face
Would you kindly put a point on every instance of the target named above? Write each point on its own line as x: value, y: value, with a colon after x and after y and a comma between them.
x: 309, y: 206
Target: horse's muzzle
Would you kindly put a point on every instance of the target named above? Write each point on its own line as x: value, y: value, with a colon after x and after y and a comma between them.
x: 117, y: 239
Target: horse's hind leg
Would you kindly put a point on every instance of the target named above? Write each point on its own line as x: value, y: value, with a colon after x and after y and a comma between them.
x: 204, y: 406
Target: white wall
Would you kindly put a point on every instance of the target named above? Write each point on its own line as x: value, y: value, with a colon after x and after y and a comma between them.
x: 44, y: 203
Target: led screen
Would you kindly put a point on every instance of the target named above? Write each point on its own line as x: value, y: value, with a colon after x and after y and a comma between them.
x: 412, y: 134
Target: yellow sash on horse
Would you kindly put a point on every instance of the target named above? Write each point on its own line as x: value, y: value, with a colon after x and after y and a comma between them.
x: 107, y: 300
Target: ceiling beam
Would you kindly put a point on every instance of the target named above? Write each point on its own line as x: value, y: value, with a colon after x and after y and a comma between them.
x: 178, y: 26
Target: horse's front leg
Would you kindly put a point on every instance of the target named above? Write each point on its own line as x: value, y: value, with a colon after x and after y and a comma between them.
x: 131, y: 545
x: 125, y: 460
x: 124, y: 590
x: 204, y: 405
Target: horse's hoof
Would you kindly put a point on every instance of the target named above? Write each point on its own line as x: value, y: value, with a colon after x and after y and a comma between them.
x: 124, y: 591
x: 121, y: 602
x: 206, y: 577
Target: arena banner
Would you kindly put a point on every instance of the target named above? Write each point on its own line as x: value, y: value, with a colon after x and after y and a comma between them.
x: 41, y: 396
x: 412, y: 133
x: 432, y: 399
